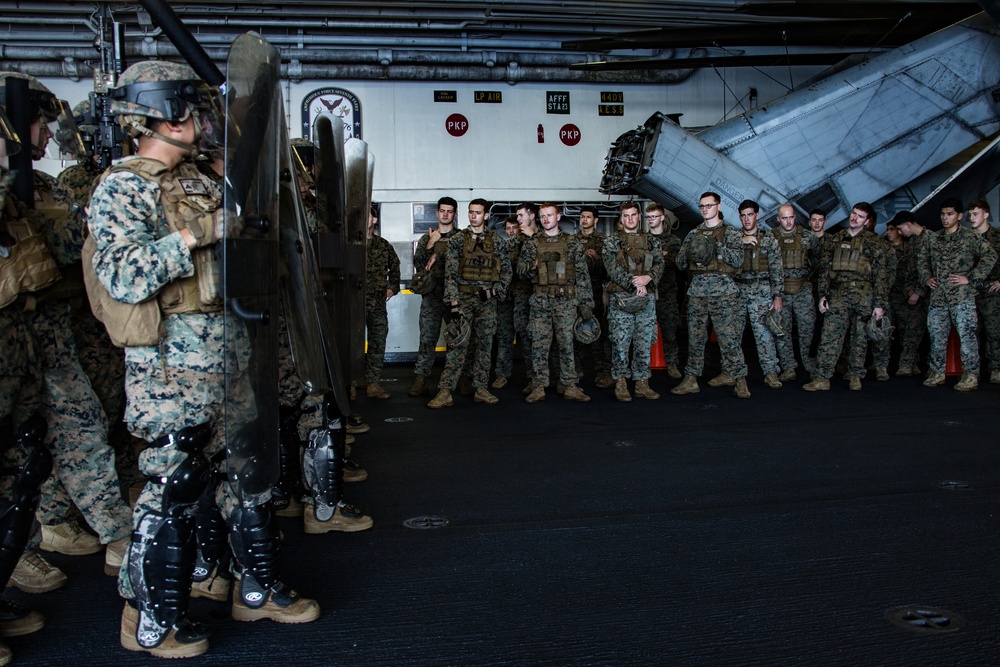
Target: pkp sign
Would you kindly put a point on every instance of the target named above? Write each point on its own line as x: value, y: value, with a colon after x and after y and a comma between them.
x: 569, y: 134
x: 456, y: 124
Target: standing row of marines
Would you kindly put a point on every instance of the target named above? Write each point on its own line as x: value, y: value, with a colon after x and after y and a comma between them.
x: 542, y: 285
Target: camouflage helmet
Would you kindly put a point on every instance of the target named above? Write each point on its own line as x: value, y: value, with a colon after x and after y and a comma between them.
x: 587, y: 331
x: 879, y: 330
x: 702, y: 250
x: 423, y: 283
x: 42, y: 101
x: 775, y: 323
x: 457, y: 331
x: 85, y: 120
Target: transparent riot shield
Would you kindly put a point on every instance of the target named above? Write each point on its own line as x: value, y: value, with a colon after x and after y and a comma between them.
x: 250, y: 264
x: 358, y: 204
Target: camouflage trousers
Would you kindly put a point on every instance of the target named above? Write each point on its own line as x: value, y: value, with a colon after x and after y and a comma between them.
x: 756, y: 300
x: 377, y: 323
x: 989, y: 314
x: 940, y: 318
x: 913, y: 335
x: 850, y: 308
x: 898, y: 313
x: 668, y: 316
x: 84, y: 470
x: 522, y: 328
x: 552, y: 318
x: 484, y: 325
x: 289, y: 384
x: 161, y: 402
x: 505, y: 338
x: 599, y: 350
x: 633, y: 330
x: 431, y: 311
x: 799, y: 308
x: 724, y: 312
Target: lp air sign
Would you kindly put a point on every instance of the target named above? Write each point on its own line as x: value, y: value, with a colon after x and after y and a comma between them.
x: 569, y: 134
x: 456, y: 124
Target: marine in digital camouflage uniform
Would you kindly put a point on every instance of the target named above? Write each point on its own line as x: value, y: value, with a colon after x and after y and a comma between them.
x: 84, y: 463
x: 633, y: 260
x: 25, y: 461
x: 854, y: 285
x: 760, y: 280
x: 429, y: 257
x: 898, y: 308
x: 554, y: 262
x: 154, y: 226
x: 476, y: 276
x: 800, y: 249
x: 506, y: 331
x: 527, y: 221
x: 916, y: 293
x: 953, y: 265
x: 381, y: 284
x: 712, y: 294
x: 668, y: 314
x: 592, y: 241
x: 988, y: 296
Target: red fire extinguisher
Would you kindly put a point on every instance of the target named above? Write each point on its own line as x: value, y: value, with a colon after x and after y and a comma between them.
x: 541, y: 134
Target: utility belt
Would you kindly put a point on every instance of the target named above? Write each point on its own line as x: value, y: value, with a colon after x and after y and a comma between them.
x: 750, y: 279
x: 555, y: 290
x: 485, y: 293
x: 794, y: 285
x: 863, y: 285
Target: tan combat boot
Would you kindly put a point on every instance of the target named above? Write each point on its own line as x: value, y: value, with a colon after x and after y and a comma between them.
x: 574, y: 393
x: 817, y: 384
x: 688, y: 386
x: 178, y: 643
x: 968, y: 382
x: 723, y: 379
x: 787, y: 375
x: 442, y: 400
x: 881, y: 374
x: 673, y: 372
x: 34, y: 574
x: 621, y: 390
x: 537, y: 394
x: 854, y: 383
x: 995, y: 376
x: 282, y: 606
x: 603, y: 381
x: 70, y: 539
x: 906, y: 370
x: 214, y: 587
x: 642, y: 390
x: 375, y: 390
x: 772, y: 381
x: 18, y: 620
x: 500, y: 382
x: 114, y: 554
x: 483, y: 395
x: 934, y: 380
x: 419, y: 386
x: 346, y: 519
x: 741, y: 390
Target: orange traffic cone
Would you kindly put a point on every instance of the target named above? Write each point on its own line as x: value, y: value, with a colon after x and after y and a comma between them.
x: 656, y: 361
x: 953, y: 362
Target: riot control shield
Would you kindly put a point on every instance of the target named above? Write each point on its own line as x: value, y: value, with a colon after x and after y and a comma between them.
x: 249, y: 264
x: 331, y: 239
x: 358, y: 205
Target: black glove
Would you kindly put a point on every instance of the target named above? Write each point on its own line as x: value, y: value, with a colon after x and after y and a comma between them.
x: 586, y: 312
x: 453, y: 314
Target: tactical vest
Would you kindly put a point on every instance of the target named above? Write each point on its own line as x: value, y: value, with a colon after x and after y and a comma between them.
x: 60, y: 217
x: 754, y: 258
x: 26, y: 265
x: 634, y: 255
x: 717, y: 234
x: 184, y: 199
x: 848, y: 255
x: 479, y: 264
x: 439, y: 249
x: 556, y: 271
x: 793, y: 255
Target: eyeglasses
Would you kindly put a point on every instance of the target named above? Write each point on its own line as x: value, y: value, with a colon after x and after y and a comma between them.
x: 704, y: 206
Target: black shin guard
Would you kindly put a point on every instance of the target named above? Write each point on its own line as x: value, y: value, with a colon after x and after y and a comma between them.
x: 18, y: 512
x: 289, y: 485
x: 256, y: 547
